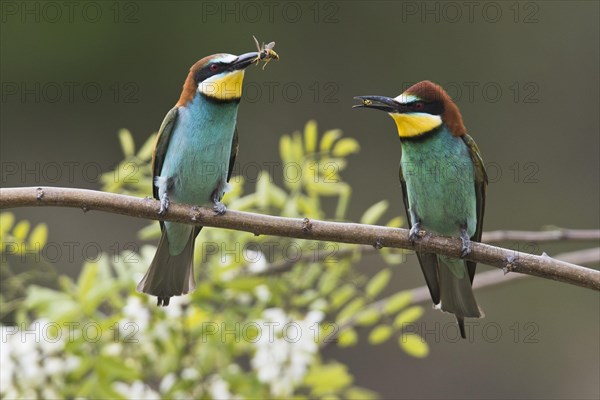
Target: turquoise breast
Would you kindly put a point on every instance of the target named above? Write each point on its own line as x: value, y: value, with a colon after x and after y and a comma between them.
x: 197, y: 159
x: 440, y: 185
x: 198, y: 155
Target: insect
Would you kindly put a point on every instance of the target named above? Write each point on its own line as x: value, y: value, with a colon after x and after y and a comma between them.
x: 265, y: 52
x: 367, y: 102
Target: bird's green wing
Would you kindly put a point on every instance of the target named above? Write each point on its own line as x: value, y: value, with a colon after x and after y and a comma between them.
x: 234, y: 151
x: 481, y: 181
x: 428, y: 261
x: 160, y: 149
x: 162, y: 144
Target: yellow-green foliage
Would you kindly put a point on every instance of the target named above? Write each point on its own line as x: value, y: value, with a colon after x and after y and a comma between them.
x: 196, y: 347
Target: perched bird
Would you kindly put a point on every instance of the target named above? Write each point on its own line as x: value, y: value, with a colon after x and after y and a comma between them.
x: 192, y: 162
x: 444, y: 183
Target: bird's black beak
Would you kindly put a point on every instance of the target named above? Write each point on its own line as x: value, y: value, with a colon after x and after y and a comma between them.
x: 379, y: 103
x: 245, y: 60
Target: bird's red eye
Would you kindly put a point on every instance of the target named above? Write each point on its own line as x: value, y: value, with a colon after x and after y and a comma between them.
x: 214, y: 67
x: 419, y: 106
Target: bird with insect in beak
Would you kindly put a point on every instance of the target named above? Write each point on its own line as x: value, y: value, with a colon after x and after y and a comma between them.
x: 443, y: 183
x: 192, y: 162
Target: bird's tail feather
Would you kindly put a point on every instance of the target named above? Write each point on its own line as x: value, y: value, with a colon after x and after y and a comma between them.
x: 170, y: 275
x: 456, y: 292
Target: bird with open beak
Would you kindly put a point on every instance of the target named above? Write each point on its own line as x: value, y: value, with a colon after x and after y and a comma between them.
x: 443, y: 182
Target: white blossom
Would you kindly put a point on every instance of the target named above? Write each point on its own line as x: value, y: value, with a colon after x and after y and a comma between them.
x: 161, y: 330
x: 257, y: 261
x: 190, y: 374
x: 113, y: 349
x: 137, y: 313
x: 262, y: 293
x: 176, y: 306
x: 30, y: 358
x: 219, y: 389
x: 285, y: 349
x: 243, y: 298
x: 136, y: 390
x: 167, y: 382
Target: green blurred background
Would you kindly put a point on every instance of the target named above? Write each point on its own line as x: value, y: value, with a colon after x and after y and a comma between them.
x: 525, y: 75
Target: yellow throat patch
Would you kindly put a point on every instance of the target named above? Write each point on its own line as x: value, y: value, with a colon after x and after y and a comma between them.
x: 225, y: 86
x: 416, y: 124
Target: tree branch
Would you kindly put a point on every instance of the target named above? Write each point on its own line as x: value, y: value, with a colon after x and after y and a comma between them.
x: 558, y: 234
x: 482, y: 280
x: 378, y: 236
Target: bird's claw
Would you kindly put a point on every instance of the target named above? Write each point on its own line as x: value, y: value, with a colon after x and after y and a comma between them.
x: 466, y: 249
x: 164, y: 205
x: 511, y: 264
x: 415, y: 232
x: 219, y: 208
x: 466, y: 243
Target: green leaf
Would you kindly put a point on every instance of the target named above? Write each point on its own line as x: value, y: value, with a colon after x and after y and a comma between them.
x: 396, y: 222
x: 245, y: 283
x: 127, y: 143
x: 380, y: 334
x: 344, y: 199
x: 52, y: 304
x: 243, y: 203
x: 310, y: 137
x: 149, y: 232
x: 358, y: 393
x: 6, y: 222
x: 147, y: 149
x: 87, y: 279
x: 414, y: 345
x: 378, y: 283
x: 393, y: 256
x: 408, y: 316
x: 304, y: 298
x: 350, y: 309
x: 347, y: 338
x: 367, y: 317
x: 325, y: 379
x: 40, y: 296
x: 342, y: 295
x: 310, y: 172
x: 38, y: 237
x: 285, y: 149
x: 262, y: 190
x: 345, y: 147
x: 66, y: 284
x: 277, y: 196
x: 329, y: 167
x: 397, y: 302
x: 374, y: 213
x: 328, y: 189
x: 327, y: 282
x: 113, y: 367
x: 307, y: 206
x: 297, y: 148
x: 21, y: 230
x: 328, y: 138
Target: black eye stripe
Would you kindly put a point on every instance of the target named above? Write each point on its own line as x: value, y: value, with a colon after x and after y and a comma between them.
x: 206, y: 72
x: 432, y: 107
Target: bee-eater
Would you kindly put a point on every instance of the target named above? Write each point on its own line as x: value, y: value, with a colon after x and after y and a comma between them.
x: 192, y: 163
x: 444, y: 183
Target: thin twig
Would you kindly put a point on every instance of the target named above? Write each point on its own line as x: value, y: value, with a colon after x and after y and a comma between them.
x: 543, y: 236
x: 506, y: 259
